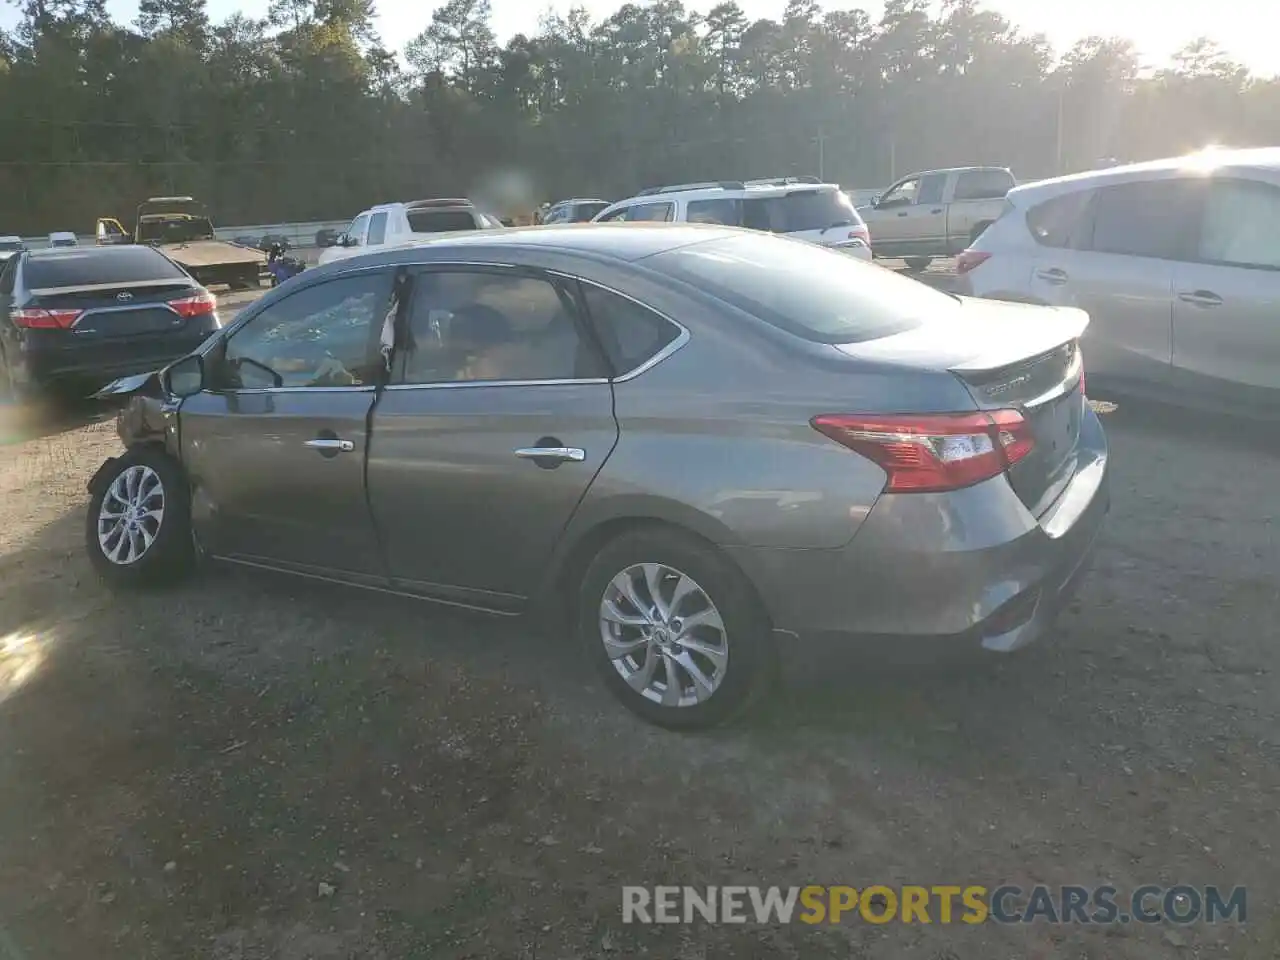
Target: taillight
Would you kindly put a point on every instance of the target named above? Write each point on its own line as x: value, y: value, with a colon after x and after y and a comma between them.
x: 968, y: 259
x: 933, y: 452
x: 197, y: 305
x: 37, y: 318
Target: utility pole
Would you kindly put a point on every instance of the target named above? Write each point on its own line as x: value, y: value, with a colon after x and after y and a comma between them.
x: 1062, y: 98
x: 822, y: 142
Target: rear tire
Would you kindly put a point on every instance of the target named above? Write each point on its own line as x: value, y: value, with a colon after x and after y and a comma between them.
x: 138, y: 526
x: 918, y: 264
x: 706, y: 626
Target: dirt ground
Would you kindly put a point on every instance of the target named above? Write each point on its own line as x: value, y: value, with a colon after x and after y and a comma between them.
x: 182, y: 771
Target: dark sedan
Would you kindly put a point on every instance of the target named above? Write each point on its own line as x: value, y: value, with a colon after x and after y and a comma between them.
x: 75, y: 318
x: 716, y: 445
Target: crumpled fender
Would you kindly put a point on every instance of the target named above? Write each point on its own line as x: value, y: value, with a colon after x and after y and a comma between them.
x: 141, y: 419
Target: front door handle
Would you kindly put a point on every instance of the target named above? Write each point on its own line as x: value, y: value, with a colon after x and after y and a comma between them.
x: 1201, y: 298
x: 330, y: 445
x: 1052, y: 275
x: 558, y: 454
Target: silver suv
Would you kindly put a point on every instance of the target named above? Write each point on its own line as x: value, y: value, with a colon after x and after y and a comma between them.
x: 801, y: 207
x: 1176, y: 261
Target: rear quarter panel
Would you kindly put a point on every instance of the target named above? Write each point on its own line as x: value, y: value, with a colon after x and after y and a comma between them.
x: 716, y: 438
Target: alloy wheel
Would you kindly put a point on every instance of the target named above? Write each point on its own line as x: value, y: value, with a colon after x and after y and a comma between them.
x: 131, y: 514
x: 664, y: 635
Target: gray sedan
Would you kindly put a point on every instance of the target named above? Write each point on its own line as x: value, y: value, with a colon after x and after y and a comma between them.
x: 712, y: 445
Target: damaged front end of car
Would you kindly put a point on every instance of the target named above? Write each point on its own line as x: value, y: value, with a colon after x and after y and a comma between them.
x: 148, y: 416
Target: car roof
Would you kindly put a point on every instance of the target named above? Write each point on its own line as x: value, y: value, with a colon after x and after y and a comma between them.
x: 10, y: 238
x: 447, y: 203
x: 619, y: 241
x: 1257, y: 159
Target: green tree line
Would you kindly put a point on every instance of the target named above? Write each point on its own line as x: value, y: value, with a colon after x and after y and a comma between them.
x: 309, y: 114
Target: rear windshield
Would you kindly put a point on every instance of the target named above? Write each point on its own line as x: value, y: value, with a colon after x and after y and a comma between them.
x: 810, y: 291
x: 10, y: 244
x: 175, y: 230
x: 799, y: 210
x: 440, y: 221
x: 110, y: 265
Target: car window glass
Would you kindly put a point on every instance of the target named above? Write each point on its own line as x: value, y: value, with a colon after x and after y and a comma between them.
x: 901, y: 195
x: 7, y: 274
x: 983, y: 184
x: 477, y: 326
x: 629, y: 332
x: 810, y: 291
x: 651, y: 211
x: 1151, y: 218
x: 931, y: 188
x: 723, y: 210
x: 1058, y: 222
x: 85, y: 265
x: 813, y: 210
x: 321, y: 336
x: 356, y: 231
x: 615, y: 216
x: 1241, y: 225
x: 440, y: 221
x: 585, y: 211
x: 377, y: 228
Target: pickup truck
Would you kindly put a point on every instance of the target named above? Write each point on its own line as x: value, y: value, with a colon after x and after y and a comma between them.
x: 936, y: 213
x: 180, y: 227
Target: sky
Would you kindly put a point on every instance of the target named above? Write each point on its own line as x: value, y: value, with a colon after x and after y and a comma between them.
x: 1158, y: 27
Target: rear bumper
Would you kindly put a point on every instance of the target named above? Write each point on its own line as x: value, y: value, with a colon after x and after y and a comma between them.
x: 46, y: 362
x: 927, y: 575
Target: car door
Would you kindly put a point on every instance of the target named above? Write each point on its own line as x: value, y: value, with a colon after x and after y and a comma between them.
x: 1118, y: 265
x: 1226, y: 307
x: 377, y: 229
x: 276, y: 444
x: 499, y: 416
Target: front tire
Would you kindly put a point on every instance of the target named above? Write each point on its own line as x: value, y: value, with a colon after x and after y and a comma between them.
x: 675, y: 629
x: 138, y: 527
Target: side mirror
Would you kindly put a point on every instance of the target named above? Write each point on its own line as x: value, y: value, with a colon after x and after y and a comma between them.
x: 875, y: 201
x: 346, y: 240
x: 185, y: 377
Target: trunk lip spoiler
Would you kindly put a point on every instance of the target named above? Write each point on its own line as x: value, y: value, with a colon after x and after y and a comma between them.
x: 94, y: 287
x: 1074, y: 321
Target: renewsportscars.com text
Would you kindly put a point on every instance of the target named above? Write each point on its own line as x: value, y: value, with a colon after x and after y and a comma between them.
x: 942, y: 904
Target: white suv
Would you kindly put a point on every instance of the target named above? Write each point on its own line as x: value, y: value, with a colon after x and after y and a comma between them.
x: 390, y: 223
x: 800, y: 207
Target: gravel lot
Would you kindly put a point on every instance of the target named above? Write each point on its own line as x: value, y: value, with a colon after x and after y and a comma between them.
x: 182, y: 771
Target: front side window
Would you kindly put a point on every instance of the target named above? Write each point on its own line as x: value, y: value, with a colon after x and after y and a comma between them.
x: 324, y: 335
x: 631, y: 334
x: 615, y: 216
x: 651, y: 211
x: 1241, y: 225
x: 358, y: 227
x: 377, y: 228
x: 1152, y: 218
x: 480, y: 325
x: 903, y: 195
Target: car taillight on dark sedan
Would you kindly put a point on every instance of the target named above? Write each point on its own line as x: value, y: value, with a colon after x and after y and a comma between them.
x: 38, y: 318
x: 198, y: 304
x: 936, y: 452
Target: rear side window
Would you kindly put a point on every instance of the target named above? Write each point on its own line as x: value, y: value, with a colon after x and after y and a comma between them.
x: 1153, y: 218
x: 722, y: 210
x: 651, y: 211
x: 7, y: 273
x: 440, y: 221
x: 983, y: 184
x: 809, y: 291
x: 1056, y: 222
x: 630, y: 333
x: 377, y: 229
x: 90, y: 265
x: 1240, y: 225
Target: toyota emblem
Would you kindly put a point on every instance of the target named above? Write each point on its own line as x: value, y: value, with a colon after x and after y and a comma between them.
x: 124, y: 295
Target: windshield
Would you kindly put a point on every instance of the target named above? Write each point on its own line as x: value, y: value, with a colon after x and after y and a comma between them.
x: 815, y: 293
x: 10, y: 245
x: 175, y: 230
x: 441, y: 221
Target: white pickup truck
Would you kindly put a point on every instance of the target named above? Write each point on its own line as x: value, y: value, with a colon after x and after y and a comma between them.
x: 390, y: 223
x: 936, y: 213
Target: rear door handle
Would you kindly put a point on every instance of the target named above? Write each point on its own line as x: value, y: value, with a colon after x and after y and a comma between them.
x: 330, y: 445
x: 1201, y: 298
x: 1052, y: 275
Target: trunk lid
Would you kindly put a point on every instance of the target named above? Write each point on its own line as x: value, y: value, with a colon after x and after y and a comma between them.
x: 112, y: 310
x: 1008, y: 355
